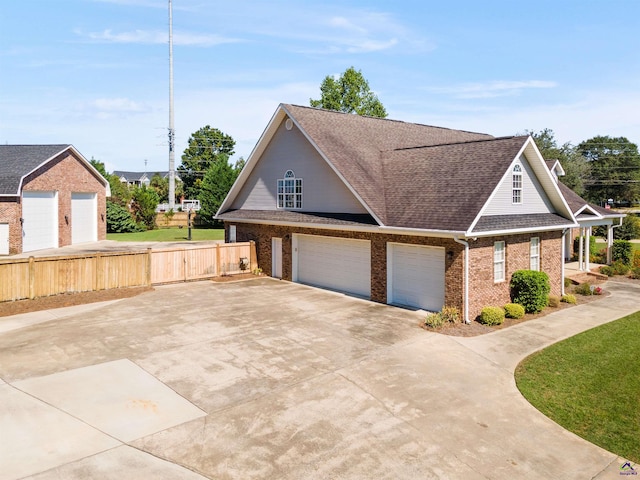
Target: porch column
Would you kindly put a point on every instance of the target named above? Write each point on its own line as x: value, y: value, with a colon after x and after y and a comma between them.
x: 587, y: 249
x: 609, y: 243
x: 580, y: 249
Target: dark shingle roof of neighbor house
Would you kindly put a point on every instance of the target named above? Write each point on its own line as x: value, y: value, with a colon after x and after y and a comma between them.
x: 16, y: 161
x: 138, y: 175
x: 351, y: 219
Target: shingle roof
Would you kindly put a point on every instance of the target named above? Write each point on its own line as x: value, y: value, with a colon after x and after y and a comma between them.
x: 16, y: 161
x: 492, y: 223
x: 300, y: 217
x: 576, y: 202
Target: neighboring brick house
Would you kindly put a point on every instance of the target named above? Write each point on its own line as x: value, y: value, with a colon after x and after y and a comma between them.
x: 396, y: 212
x: 50, y: 196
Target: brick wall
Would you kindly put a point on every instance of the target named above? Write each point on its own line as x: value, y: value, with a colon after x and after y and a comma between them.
x: 65, y: 174
x: 262, y: 234
x: 485, y: 291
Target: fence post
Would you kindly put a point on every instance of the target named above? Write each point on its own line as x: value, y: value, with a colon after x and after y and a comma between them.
x: 32, y: 278
x: 253, y: 257
x: 217, y: 259
x: 148, y: 267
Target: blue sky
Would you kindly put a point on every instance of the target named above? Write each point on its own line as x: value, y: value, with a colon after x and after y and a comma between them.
x: 94, y: 73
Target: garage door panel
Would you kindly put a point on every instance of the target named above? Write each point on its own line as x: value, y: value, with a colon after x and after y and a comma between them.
x: 84, y: 211
x: 416, y: 276
x: 335, y: 263
x: 40, y: 225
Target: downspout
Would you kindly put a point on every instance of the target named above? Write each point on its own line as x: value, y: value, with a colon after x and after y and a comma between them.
x: 564, y: 242
x: 466, y: 277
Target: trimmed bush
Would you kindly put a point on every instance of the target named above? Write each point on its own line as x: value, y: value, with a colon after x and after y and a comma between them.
x: 635, y: 273
x: 622, y: 251
x: 635, y: 263
x: 570, y: 299
x: 434, y: 320
x: 492, y: 316
x: 592, y: 245
x: 513, y: 310
x: 608, y: 271
x: 584, y: 289
x: 530, y: 289
x: 554, y: 301
x: 567, y: 282
x: 620, y: 268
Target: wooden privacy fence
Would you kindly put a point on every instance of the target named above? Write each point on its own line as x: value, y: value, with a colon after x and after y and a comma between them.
x: 33, y: 277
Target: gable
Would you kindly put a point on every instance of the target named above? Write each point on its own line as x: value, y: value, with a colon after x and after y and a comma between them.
x: 533, y: 197
x: 289, y: 149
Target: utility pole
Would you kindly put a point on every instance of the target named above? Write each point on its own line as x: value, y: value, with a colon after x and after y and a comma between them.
x: 172, y: 133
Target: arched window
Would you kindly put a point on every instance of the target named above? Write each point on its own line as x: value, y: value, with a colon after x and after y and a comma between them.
x: 290, y: 191
x: 516, y: 175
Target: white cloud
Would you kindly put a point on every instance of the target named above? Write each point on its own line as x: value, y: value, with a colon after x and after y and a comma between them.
x: 159, y: 37
x: 498, y: 88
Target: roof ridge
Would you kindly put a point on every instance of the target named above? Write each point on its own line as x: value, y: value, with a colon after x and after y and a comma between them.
x: 463, y: 142
x: 387, y: 119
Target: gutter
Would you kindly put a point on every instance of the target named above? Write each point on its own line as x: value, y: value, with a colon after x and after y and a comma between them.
x: 466, y: 277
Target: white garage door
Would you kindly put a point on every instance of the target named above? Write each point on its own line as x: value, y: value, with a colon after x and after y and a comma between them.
x: 4, y: 239
x: 415, y: 276
x: 336, y: 263
x: 40, y: 226
x: 84, y: 212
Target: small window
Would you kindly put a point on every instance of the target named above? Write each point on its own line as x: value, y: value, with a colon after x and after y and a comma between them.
x: 517, y: 184
x: 290, y: 191
x: 498, y: 262
x: 534, y: 254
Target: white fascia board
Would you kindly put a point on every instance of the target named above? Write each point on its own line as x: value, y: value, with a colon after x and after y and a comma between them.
x: 595, y: 222
x: 587, y: 207
x: 254, y: 156
x: 494, y: 233
x: 330, y: 164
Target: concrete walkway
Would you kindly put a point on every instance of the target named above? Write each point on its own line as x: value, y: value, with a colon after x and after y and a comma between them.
x: 268, y: 379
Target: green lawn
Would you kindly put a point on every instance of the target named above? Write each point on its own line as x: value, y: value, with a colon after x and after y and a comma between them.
x: 590, y: 384
x: 603, y: 246
x: 169, y: 235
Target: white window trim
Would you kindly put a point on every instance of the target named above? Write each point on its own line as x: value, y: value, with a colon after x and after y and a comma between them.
x: 289, y: 200
x: 516, y: 185
x: 499, y: 261
x: 534, y: 254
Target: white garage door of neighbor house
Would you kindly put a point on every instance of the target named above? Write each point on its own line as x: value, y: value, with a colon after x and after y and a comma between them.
x: 84, y: 212
x: 415, y: 276
x: 40, y: 220
x: 4, y: 239
x: 336, y: 263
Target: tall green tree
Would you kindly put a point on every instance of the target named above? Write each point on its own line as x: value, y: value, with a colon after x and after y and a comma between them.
x: 99, y: 166
x: 573, y: 163
x: 215, y: 185
x: 349, y: 93
x: 614, y: 169
x: 144, y: 201
x: 206, y: 146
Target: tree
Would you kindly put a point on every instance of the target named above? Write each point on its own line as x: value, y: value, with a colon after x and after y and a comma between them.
x: 206, y: 146
x: 214, y: 188
x: 349, y: 93
x: 143, y: 206
x: 574, y: 165
x: 99, y: 166
x: 119, y: 219
x: 614, y: 169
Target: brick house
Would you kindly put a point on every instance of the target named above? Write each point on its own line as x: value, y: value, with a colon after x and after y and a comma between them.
x: 50, y: 196
x: 398, y: 213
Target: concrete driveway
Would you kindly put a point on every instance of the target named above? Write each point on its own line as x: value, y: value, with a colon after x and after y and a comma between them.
x: 266, y: 379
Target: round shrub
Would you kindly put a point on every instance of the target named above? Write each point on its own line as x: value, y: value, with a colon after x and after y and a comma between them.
x: 450, y: 314
x: 530, y: 289
x: 513, y: 310
x: 584, y: 289
x: 608, y: 271
x: 492, y: 316
x: 570, y: 299
x: 635, y: 273
x: 620, y: 268
x: 554, y: 301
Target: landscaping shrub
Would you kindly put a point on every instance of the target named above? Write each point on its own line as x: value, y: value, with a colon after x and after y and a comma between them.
x: 554, y: 301
x: 568, y: 298
x: 635, y: 273
x: 492, y: 316
x: 567, y: 282
x: 434, y: 320
x: 450, y: 314
x: 530, y: 289
x: 608, y: 271
x: 622, y: 251
x: 592, y: 245
x: 513, y: 310
x: 619, y: 268
x: 584, y: 289
x: 636, y: 259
